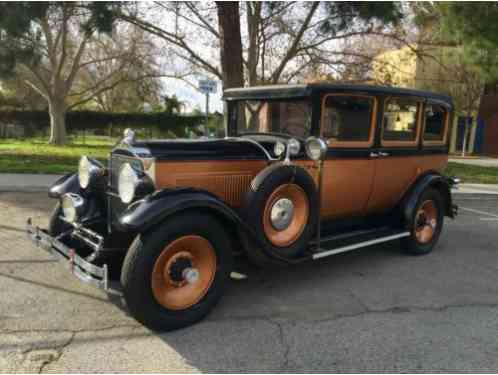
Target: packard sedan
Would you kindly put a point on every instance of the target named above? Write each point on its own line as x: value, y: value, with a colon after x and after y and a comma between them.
x: 305, y: 172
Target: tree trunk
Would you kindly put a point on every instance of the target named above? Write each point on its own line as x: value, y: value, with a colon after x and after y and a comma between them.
x: 230, y: 44
x: 57, y: 112
x: 253, y: 19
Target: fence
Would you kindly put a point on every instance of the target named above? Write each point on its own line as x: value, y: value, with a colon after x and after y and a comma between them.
x: 27, y: 124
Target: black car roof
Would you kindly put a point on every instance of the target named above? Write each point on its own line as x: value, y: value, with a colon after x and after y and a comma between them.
x: 306, y: 90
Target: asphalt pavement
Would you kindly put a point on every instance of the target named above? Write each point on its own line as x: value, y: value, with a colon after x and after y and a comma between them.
x: 371, y: 310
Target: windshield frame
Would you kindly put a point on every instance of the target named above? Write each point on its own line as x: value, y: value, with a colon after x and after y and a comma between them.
x: 232, y: 128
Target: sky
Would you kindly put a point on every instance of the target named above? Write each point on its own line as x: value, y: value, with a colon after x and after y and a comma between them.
x: 191, y: 97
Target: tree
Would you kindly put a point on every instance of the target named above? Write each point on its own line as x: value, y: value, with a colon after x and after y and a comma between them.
x: 14, y: 94
x: 172, y: 105
x: 280, y: 41
x: 473, y: 27
x: 126, y: 66
x: 469, y: 32
x: 46, y: 43
x: 230, y: 40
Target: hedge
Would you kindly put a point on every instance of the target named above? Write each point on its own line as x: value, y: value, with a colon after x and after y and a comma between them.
x: 93, y: 120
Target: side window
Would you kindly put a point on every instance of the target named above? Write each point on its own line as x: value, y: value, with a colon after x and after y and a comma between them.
x: 400, y: 120
x: 348, y: 119
x: 435, y: 123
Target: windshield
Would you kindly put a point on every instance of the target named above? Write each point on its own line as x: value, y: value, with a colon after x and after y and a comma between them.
x: 283, y: 117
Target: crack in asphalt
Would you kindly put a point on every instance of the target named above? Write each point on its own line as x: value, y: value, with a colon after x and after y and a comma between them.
x: 60, y: 350
x: 273, y: 320
x: 283, y: 342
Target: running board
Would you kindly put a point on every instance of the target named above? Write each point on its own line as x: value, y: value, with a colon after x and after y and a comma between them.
x: 321, y: 253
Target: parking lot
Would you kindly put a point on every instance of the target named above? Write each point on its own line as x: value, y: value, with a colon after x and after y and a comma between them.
x: 374, y: 309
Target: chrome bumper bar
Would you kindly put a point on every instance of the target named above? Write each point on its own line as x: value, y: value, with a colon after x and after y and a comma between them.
x: 85, y: 271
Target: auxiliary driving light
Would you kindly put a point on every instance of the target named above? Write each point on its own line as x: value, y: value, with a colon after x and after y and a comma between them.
x: 73, y: 207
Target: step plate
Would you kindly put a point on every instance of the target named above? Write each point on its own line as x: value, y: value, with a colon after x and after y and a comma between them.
x: 321, y: 253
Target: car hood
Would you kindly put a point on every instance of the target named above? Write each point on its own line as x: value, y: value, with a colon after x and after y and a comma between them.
x: 197, y: 149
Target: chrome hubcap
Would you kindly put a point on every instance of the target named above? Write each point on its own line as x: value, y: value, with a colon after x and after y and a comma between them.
x: 191, y: 275
x: 282, y: 213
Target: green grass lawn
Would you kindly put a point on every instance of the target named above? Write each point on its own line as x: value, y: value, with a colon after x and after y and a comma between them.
x: 36, y: 156
x: 472, y: 173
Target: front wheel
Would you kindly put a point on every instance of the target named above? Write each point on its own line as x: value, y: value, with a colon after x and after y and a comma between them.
x: 427, y: 224
x: 173, y: 275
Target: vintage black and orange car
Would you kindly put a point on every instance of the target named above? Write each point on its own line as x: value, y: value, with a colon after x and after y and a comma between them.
x: 305, y: 171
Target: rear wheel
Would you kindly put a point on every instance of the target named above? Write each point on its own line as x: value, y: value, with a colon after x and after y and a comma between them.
x: 173, y: 275
x: 427, y: 223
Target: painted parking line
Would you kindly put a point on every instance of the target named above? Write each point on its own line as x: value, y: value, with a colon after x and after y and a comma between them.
x: 492, y: 216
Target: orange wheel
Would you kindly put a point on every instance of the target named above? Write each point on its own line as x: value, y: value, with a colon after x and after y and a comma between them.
x: 426, y: 222
x: 285, y: 214
x: 184, y: 272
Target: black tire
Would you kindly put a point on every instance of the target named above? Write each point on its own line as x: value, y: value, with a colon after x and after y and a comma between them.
x: 411, y: 244
x: 57, y: 226
x: 136, y: 274
x: 262, y: 186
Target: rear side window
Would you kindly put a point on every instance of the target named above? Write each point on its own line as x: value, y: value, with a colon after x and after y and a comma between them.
x: 400, y: 120
x: 435, y: 123
x: 347, y: 119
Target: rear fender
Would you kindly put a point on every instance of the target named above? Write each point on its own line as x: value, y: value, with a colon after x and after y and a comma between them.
x: 429, y: 180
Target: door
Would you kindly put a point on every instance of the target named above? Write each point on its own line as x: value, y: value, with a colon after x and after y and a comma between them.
x: 348, y: 125
x: 397, y: 156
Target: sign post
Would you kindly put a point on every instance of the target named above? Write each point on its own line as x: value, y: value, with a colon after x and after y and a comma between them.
x: 207, y: 86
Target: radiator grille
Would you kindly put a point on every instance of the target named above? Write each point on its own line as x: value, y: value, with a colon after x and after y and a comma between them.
x: 230, y: 188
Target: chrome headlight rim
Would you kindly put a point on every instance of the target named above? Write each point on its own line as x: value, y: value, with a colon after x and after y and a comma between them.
x: 316, y: 148
x: 88, y: 172
x: 127, y: 193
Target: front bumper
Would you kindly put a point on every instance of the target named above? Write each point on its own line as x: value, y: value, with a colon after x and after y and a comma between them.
x: 79, y: 267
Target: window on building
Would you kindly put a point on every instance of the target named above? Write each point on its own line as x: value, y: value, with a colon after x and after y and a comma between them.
x: 400, y: 120
x: 435, y: 122
x: 347, y: 118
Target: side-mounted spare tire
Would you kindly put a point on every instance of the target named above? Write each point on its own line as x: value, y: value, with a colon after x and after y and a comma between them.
x: 281, y: 206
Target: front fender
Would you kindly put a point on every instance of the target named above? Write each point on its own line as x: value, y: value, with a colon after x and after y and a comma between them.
x: 434, y: 180
x: 68, y: 183
x: 144, y: 214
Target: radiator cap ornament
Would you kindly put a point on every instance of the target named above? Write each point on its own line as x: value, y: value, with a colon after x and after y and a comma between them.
x: 128, y: 136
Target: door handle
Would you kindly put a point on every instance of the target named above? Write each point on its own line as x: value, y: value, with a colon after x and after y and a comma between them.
x: 383, y: 153
x: 374, y: 155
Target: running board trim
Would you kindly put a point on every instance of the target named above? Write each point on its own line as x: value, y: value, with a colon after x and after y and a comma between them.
x: 359, y: 245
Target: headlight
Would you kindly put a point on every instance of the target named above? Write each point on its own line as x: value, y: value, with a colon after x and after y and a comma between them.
x: 279, y: 149
x: 88, y: 171
x: 316, y: 148
x: 127, y: 183
x: 294, y: 146
x: 72, y: 207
